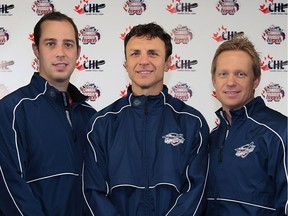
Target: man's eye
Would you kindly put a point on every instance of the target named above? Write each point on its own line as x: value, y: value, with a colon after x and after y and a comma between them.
x: 153, y: 54
x: 50, y: 44
x: 134, y: 54
x: 222, y: 74
x: 241, y: 74
x: 69, y: 45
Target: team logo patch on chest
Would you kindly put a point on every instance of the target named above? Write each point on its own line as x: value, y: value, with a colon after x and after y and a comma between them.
x: 173, y: 139
x: 244, y: 150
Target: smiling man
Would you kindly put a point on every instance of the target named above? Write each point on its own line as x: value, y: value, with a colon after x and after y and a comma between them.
x: 248, y: 163
x: 42, y: 129
x: 147, y: 152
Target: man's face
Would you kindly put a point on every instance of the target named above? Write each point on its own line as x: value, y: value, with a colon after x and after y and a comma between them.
x: 234, y: 80
x: 57, y: 53
x: 145, y: 64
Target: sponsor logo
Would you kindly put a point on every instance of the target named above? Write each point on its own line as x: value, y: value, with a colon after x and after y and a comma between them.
x: 273, y: 65
x: 174, y: 139
x: 123, y: 92
x: 227, y: 7
x: 273, y: 7
x: 89, y: 35
x: 181, y: 34
x: 133, y: 7
x: 182, y: 64
x: 178, y: 7
x: 41, y: 7
x: 244, y: 150
x: 181, y: 91
x: 273, y: 92
x: 274, y: 35
x: 4, y: 65
x: 84, y: 7
x: 5, y: 9
x: 86, y: 64
x: 223, y: 34
x: 4, y: 36
x: 91, y: 91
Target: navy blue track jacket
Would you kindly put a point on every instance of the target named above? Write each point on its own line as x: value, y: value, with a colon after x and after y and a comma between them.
x: 41, y: 145
x: 147, y: 155
x: 248, y: 164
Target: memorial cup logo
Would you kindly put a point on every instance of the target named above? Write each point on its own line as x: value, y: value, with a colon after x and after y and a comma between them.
x: 4, y: 36
x: 91, y: 91
x: 273, y: 92
x: 89, y: 35
x: 227, y: 7
x: 174, y: 139
x: 274, y: 35
x: 181, y: 91
x: 181, y: 34
x: 41, y: 7
x: 133, y: 7
x: 244, y: 150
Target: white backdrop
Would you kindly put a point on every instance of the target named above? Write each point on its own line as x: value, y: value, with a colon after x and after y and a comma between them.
x: 197, y: 29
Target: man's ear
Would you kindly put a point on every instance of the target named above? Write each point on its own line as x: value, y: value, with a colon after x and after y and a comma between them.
x: 168, y: 64
x: 256, y: 82
x: 125, y: 64
x: 35, y: 50
x: 78, y: 51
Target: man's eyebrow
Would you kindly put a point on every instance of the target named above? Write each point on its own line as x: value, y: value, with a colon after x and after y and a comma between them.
x: 65, y: 40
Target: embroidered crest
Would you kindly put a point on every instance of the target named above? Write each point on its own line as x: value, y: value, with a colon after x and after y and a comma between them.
x: 173, y: 139
x: 244, y: 150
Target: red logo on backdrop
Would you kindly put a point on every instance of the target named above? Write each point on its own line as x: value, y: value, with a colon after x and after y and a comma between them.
x: 135, y: 7
x: 273, y: 65
x: 41, y: 7
x: 89, y: 35
x: 127, y: 30
x: 274, y: 34
x: 227, y: 7
x: 272, y: 7
x: 4, y: 36
x: 182, y: 64
x: 84, y: 7
x: 223, y: 34
x: 80, y: 62
x: 123, y: 92
x: 181, y: 7
x: 181, y: 34
x: 84, y: 63
x: 181, y: 91
x: 273, y: 92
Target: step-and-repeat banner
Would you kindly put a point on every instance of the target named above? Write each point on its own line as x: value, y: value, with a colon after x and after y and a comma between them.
x: 197, y: 29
